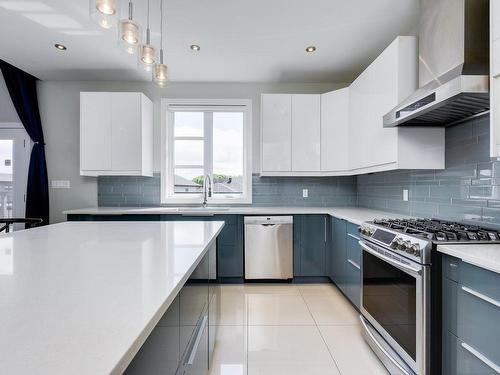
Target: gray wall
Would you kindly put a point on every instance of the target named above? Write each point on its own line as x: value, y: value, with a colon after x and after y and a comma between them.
x: 59, y: 107
x: 266, y: 191
x: 468, y: 189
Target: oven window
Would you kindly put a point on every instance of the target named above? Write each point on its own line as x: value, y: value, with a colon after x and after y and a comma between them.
x: 389, y: 295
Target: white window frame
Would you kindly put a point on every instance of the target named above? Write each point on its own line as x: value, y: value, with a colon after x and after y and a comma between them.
x: 167, y: 158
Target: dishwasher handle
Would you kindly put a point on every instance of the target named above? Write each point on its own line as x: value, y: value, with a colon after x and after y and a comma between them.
x: 268, y: 220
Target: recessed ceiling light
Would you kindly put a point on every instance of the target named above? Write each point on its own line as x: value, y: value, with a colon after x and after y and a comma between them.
x: 61, y: 47
x: 310, y: 49
x: 195, y: 47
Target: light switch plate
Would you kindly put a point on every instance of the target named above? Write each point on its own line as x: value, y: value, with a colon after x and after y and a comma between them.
x: 405, y: 195
x: 60, y: 184
x: 305, y: 193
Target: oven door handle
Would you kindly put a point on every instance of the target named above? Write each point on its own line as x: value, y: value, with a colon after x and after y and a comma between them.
x: 404, y: 267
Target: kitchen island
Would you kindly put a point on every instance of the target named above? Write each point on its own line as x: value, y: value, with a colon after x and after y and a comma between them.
x: 83, y: 297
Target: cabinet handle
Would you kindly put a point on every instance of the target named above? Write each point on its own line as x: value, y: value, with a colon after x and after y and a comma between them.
x: 481, y: 296
x: 481, y: 357
x: 352, y: 236
x: 354, y: 264
x: 453, y: 265
x: 196, y: 343
x: 324, y: 220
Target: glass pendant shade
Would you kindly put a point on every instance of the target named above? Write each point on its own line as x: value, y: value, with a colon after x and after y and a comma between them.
x: 104, y: 12
x: 129, y: 35
x: 160, y: 76
x: 147, y: 56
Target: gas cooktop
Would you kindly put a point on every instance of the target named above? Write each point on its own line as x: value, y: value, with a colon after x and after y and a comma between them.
x: 440, y: 230
x: 415, y: 238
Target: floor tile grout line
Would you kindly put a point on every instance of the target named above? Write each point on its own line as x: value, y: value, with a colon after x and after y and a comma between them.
x: 321, y: 335
x: 247, y: 330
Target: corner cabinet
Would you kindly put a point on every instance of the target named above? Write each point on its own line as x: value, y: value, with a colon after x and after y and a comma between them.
x: 341, y: 132
x: 344, y: 259
x: 390, y: 79
x: 116, y: 134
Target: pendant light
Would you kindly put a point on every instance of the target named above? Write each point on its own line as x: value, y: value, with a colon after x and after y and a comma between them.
x: 129, y: 32
x: 160, y: 70
x: 147, y: 52
x: 104, y: 12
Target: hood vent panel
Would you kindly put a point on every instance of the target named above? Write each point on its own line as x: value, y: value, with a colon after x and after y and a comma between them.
x: 454, y: 49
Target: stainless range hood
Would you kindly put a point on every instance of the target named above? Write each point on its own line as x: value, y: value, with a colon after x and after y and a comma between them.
x: 453, y: 66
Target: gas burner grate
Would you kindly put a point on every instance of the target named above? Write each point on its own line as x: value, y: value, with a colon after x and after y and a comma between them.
x: 440, y: 230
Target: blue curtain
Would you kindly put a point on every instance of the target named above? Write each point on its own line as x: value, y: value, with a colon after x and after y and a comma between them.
x: 22, y: 90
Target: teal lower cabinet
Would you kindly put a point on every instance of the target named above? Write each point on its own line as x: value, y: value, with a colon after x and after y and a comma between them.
x: 471, y: 316
x: 344, y: 259
x: 181, y: 341
x: 339, y: 253
x: 309, y: 245
x: 352, y: 287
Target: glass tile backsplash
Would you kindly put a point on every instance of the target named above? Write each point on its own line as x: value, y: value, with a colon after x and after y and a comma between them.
x: 468, y: 189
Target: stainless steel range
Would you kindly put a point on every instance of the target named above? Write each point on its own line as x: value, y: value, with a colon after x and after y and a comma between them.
x: 396, y: 286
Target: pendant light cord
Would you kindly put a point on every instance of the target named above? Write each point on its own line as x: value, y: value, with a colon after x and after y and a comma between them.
x: 148, y: 14
x: 161, y: 32
x: 130, y: 10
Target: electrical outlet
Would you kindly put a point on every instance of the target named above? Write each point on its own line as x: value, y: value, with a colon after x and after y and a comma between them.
x: 305, y: 193
x: 405, y: 195
x: 60, y: 184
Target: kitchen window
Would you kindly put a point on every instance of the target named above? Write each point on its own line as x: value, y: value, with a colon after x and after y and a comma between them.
x: 206, y: 137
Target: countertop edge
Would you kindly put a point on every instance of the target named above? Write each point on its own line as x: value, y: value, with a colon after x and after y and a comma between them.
x: 356, y: 215
x: 457, y: 251
x: 128, y: 356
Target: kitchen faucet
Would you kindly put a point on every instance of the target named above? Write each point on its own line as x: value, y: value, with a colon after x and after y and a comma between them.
x: 207, y: 192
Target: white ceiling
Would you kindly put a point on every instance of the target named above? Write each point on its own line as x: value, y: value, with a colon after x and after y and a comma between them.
x: 241, y: 40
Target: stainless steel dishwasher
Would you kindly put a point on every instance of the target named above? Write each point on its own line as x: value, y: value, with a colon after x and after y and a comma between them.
x: 268, y: 247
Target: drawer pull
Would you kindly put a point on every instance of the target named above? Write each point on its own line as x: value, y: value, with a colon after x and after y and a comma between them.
x: 481, y: 296
x: 453, y: 265
x: 481, y: 357
x: 353, y: 236
x: 197, y: 340
x: 354, y: 264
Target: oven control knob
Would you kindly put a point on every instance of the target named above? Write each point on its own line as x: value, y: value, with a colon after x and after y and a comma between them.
x: 407, y: 246
x: 395, y: 244
x: 415, y: 249
x: 401, y: 243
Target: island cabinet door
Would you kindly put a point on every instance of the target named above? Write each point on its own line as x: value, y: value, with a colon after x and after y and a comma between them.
x: 160, y: 354
x: 194, y: 320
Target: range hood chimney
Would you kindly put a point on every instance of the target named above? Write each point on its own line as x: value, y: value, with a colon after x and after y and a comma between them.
x: 453, y: 65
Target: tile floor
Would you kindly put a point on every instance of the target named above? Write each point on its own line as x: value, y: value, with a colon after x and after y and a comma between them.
x: 274, y: 329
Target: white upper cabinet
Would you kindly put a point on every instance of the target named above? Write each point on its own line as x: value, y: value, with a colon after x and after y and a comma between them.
x: 342, y: 132
x: 495, y: 79
x: 495, y: 38
x: 390, y: 79
x: 116, y: 134
x: 276, y: 133
x: 335, y: 131
x: 306, y: 133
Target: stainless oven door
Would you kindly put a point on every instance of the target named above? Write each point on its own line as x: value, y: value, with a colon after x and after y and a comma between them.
x: 395, y: 301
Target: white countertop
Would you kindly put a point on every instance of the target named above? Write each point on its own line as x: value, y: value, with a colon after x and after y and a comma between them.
x: 481, y: 255
x: 82, y: 297
x: 355, y: 215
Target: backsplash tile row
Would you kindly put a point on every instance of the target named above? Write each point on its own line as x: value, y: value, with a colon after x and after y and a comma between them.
x: 267, y: 191
x: 468, y: 189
